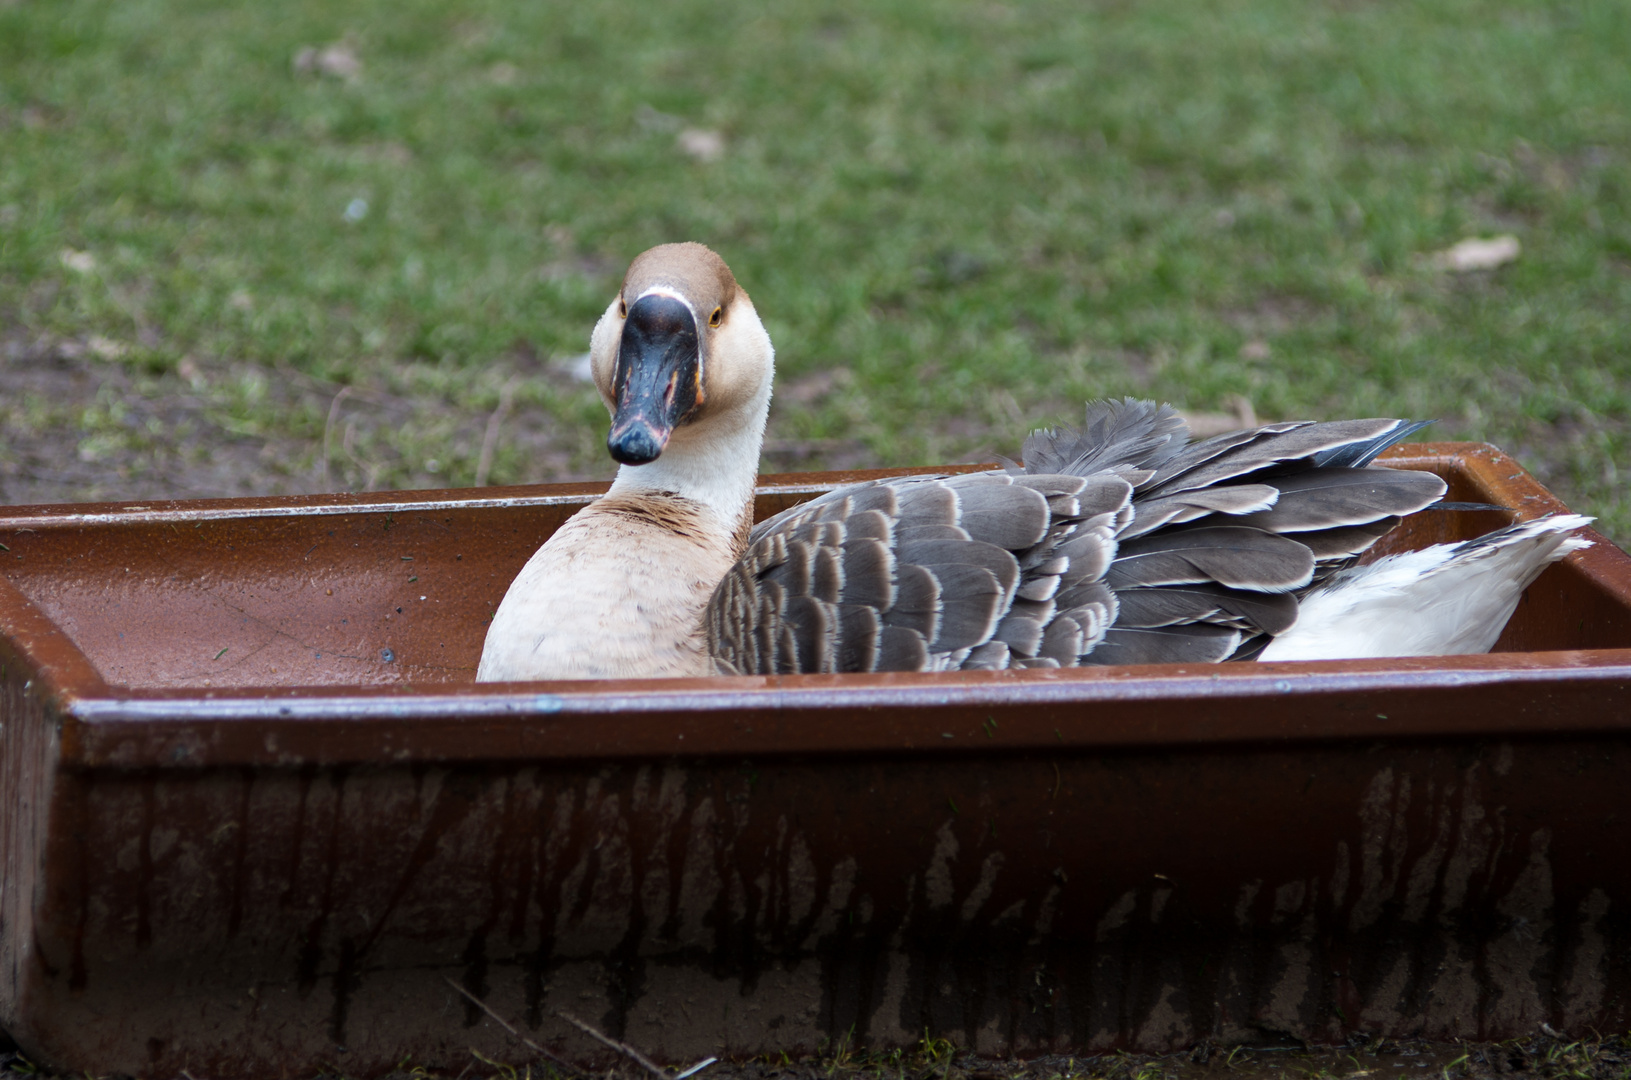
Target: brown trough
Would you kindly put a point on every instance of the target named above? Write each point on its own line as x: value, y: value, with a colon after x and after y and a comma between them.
x: 256, y: 813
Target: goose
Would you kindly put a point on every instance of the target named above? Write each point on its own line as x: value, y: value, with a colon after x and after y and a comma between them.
x: 1121, y: 542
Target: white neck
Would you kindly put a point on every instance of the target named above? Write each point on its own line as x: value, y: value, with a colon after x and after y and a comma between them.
x: 714, y: 462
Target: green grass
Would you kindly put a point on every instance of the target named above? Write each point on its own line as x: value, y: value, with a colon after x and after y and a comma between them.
x: 982, y: 213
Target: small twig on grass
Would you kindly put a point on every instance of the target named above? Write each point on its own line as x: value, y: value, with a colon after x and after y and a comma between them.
x: 505, y: 1024
x: 371, y: 470
x: 328, y: 433
x: 622, y: 1048
x: 489, y: 442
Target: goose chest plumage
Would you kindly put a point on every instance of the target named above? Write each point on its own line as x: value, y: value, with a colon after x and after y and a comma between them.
x: 1118, y: 543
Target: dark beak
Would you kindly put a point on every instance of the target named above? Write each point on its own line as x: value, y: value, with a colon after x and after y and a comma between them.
x: 658, y: 382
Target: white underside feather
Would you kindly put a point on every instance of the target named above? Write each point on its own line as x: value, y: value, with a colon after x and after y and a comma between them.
x: 1444, y: 600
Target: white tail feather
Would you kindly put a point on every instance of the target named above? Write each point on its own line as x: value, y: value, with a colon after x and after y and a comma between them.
x: 1440, y: 601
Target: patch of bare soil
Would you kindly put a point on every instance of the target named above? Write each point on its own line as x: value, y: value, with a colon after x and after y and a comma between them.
x: 1570, y: 458
x: 77, y: 428
x: 79, y: 423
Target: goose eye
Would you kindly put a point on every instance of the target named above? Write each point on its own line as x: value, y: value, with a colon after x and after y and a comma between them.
x: 716, y: 317
x: 622, y: 308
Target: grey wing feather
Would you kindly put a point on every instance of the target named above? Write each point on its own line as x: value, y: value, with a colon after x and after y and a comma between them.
x: 902, y: 533
x: 1270, y: 451
x: 1195, y: 455
x: 916, y: 572
x: 1171, y: 605
x: 869, y: 572
x: 1230, y: 555
x: 1140, y: 434
x: 900, y: 649
x: 813, y: 633
x: 938, y: 553
x: 972, y: 601
x: 1344, y: 544
x: 1197, y: 644
x: 1063, y: 641
x: 1359, y: 454
x: 840, y: 504
x: 992, y: 656
x: 1203, y: 570
x: 1007, y: 516
x: 1022, y: 635
x: 1234, y: 500
x: 917, y: 601
x: 859, y: 631
x: 868, y: 524
x: 1327, y: 498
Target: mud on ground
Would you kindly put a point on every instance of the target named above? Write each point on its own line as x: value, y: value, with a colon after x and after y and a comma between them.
x: 1542, y: 1057
x: 81, y: 423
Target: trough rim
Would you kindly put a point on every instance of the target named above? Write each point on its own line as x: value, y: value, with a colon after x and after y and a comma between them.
x: 1497, y: 695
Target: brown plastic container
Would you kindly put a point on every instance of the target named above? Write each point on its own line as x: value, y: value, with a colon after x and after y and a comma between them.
x: 256, y: 812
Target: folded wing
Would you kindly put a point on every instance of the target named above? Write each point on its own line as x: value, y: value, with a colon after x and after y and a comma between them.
x: 1120, y: 542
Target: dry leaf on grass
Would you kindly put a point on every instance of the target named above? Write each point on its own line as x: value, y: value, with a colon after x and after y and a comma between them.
x: 1204, y: 425
x: 701, y: 143
x: 107, y: 348
x: 80, y: 262
x: 813, y: 387
x: 1479, y: 254
x: 338, y: 61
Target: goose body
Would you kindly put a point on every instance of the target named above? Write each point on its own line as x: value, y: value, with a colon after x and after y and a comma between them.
x: 1118, y: 543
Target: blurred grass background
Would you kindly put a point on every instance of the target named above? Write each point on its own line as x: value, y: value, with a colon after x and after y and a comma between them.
x: 259, y: 248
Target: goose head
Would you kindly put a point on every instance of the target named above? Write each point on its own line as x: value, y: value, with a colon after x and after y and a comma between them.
x: 680, y: 357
